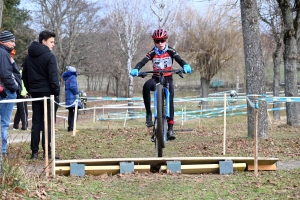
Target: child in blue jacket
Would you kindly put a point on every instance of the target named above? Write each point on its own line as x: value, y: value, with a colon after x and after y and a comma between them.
x: 71, y: 93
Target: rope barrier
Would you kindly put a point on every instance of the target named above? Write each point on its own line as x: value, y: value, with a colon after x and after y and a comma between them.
x: 189, y: 114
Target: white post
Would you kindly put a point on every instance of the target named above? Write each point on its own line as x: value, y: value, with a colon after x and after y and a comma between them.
x: 94, y: 120
x: 255, y: 142
x: 182, y: 116
x: 125, y: 117
x: 75, y: 118
x: 46, y: 136
x: 185, y: 113
x: 52, y: 133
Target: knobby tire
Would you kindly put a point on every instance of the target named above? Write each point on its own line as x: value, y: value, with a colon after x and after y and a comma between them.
x: 160, y: 121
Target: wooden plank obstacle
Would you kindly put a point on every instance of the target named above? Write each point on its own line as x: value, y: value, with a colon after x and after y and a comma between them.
x: 189, y: 165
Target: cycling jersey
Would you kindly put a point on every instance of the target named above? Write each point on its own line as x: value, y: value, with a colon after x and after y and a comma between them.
x: 163, y: 61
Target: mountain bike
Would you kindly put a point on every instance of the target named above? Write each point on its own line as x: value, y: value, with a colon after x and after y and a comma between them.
x: 83, y: 101
x: 232, y: 101
x: 161, y: 108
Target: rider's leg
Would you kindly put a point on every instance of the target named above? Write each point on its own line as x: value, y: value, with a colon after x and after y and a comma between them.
x: 148, y: 86
x: 170, y: 133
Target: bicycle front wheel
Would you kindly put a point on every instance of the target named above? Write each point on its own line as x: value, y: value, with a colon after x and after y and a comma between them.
x: 161, y: 122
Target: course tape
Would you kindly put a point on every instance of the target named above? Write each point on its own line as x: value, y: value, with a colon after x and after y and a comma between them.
x: 212, y: 99
x: 206, y: 113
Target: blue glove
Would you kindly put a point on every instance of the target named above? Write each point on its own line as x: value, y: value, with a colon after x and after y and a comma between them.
x: 187, y: 69
x: 134, y: 72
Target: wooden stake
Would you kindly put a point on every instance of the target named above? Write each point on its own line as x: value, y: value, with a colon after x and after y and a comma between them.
x: 255, y: 142
x: 94, y: 120
x: 269, y: 117
x: 108, y: 121
x: 224, y: 135
x: 46, y: 136
x: 52, y: 111
x: 75, y: 118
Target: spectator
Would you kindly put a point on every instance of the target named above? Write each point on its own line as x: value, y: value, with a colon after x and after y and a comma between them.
x: 40, y: 76
x: 10, y: 83
x: 22, y: 111
x: 72, y: 94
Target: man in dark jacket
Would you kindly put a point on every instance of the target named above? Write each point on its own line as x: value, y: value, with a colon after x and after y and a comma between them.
x: 40, y: 77
x: 10, y: 83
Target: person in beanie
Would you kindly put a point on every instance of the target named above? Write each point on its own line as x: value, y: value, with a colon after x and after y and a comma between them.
x: 40, y: 77
x: 22, y: 111
x: 71, y: 93
x: 162, y: 57
x: 10, y: 83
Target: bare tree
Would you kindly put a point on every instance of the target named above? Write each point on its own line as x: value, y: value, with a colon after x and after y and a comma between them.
x: 212, y: 41
x: 128, y: 26
x: 270, y: 14
x: 254, y: 62
x: 69, y: 19
x: 290, y: 11
x: 166, y: 12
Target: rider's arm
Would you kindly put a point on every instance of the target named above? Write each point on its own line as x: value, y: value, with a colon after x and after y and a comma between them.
x: 143, y: 62
x: 176, y: 56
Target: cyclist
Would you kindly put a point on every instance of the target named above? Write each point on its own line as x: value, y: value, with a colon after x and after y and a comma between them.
x: 83, y: 99
x: 162, y: 56
x: 233, y: 93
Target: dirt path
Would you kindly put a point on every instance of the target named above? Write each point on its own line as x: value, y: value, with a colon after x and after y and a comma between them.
x: 288, y: 165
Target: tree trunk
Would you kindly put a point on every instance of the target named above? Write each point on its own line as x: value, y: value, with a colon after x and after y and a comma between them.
x: 254, y: 63
x: 130, y: 87
x: 117, y: 86
x: 107, y: 87
x: 290, y: 61
x: 204, y: 92
x: 276, y: 87
x: 88, y: 87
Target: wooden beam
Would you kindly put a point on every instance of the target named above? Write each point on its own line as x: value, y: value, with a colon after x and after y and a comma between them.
x: 262, y: 167
x: 162, y: 161
x: 115, y: 169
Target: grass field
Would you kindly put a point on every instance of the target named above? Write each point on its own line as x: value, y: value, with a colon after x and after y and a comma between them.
x: 25, y: 179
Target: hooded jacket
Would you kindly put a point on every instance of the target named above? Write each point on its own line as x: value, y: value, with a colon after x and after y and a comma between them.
x: 71, y: 88
x: 10, y: 77
x: 40, y: 73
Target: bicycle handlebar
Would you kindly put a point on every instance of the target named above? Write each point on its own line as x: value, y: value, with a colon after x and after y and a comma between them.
x: 161, y: 72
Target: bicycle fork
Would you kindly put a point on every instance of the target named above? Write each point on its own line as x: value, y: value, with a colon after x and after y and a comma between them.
x: 166, y: 103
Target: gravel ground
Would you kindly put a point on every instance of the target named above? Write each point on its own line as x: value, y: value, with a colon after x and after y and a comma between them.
x: 288, y: 165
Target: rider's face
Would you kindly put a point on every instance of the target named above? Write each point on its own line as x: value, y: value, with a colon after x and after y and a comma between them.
x: 161, y: 43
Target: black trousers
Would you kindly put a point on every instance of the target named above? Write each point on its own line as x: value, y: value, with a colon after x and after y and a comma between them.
x: 71, y: 118
x: 21, y: 115
x: 149, y: 86
x: 38, y: 124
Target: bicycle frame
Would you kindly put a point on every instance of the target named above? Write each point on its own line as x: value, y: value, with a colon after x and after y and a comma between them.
x: 167, y: 98
x: 161, y: 108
